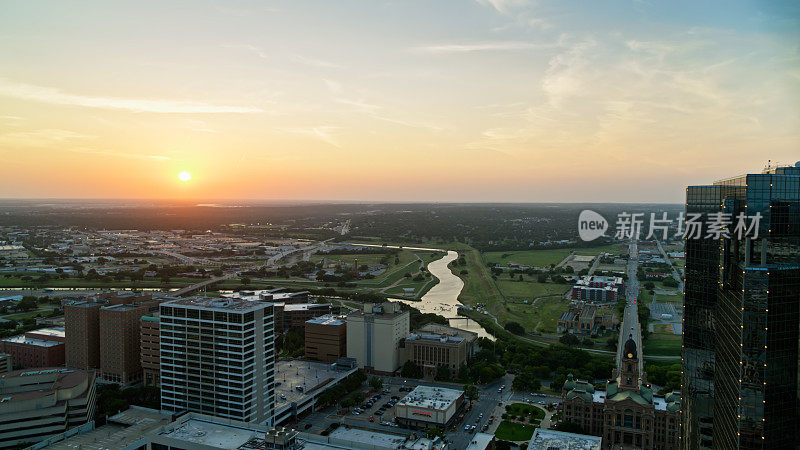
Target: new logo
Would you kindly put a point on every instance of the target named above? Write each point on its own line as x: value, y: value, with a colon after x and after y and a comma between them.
x: 591, y: 225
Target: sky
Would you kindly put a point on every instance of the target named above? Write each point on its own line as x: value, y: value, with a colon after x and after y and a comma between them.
x: 467, y: 101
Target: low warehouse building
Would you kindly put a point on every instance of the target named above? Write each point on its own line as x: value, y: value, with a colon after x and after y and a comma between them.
x: 428, y: 406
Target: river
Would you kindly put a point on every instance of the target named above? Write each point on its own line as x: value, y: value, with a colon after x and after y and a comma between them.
x: 442, y: 299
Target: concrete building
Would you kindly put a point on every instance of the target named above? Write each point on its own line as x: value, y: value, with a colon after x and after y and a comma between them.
x: 295, y: 315
x: 481, y: 441
x: 428, y: 406
x: 347, y: 438
x: 39, y: 348
x: 204, y: 432
x: 326, y: 338
x: 150, y: 350
x: 586, y: 318
x: 301, y: 383
x: 6, y: 363
x: 626, y: 414
x: 559, y: 440
x: 374, y: 334
x: 38, y: 404
x: 598, y: 289
x: 429, y: 350
x: 125, y: 430
x: 218, y: 357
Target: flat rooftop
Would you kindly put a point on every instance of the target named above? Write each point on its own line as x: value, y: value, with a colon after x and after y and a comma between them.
x: 431, y: 397
x: 368, y: 437
x: 212, y: 434
x: 53, y: 331
x: 480, y: 441
x: 308, y: 375
x: 217, y: 304
x: 22, y: 339
x: 121, y: 430
x: 559, y: 440
x: 327, y: 320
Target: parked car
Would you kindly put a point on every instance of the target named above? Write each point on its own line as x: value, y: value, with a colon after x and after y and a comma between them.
x: 371, y: 419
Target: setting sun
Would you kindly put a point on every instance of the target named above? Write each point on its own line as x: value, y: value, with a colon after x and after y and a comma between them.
x: 184, y: 176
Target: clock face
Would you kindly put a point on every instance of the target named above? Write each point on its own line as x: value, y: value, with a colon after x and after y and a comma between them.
x: 630, y: 355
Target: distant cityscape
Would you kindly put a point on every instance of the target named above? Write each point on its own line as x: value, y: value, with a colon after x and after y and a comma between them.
x: 245, y: 336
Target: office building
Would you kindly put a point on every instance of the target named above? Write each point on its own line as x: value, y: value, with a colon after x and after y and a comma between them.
x: 120, y: 360
x: 295, y: 315
x: 741, y: 316
x: 38, y: 404
x: 6, y: 363
x: 429, y: 406
x: 430, y: 350
x: 374, y: 334
x: 326, y: 338
x: 82, y: 325
x: 150, y: 349
x: 39, y: 348
x: 218, y: 358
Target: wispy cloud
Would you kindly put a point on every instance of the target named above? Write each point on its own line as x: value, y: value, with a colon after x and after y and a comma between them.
x: 119, y: 154
x: 57, y: 97
x: 504, y: 6
x: 315, y: 62
x: 482, y: 47
x: 40, y: 138
x: 325, y: 133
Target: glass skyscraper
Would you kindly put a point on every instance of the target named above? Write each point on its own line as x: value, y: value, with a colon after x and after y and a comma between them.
x: 742, y: 314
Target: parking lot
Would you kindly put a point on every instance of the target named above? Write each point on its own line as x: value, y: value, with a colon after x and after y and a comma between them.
x: 378, y: 407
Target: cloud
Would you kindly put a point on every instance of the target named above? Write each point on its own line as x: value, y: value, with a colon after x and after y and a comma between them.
x: 119, y: 154
x: 313, y: 62
x: 323, y: 133
x: 482, y: 47
x: 504, y: 6
x: 40, y: 138
x: 334, y: 86
x: 57, y: 97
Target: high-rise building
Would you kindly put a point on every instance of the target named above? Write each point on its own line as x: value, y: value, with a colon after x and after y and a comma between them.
x: 218, y: 358
x: 103, y: 333
x: 120, y: 361
x: 150, y: 350
x: 742, y: 314
x: 374, y: 334
x: 82, y: 332
x: 326, y: 338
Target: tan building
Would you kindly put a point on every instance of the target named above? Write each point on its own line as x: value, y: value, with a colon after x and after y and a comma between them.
x: 430, y: 349
x: 150, y: 348
x: 326, y: 338
x: 626, y: 414
x: 374, y: 335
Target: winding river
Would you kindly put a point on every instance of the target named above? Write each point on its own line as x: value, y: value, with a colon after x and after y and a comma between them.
x: 442, y: 299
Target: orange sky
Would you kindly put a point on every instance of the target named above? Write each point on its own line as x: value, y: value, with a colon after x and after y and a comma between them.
x: 494, y: 100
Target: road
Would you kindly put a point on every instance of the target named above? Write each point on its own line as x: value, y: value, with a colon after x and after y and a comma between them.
x: 675, y: 273
x: 630, y: 318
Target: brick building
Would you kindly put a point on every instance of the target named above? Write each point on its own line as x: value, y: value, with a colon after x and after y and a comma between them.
x: 150, y: 350
x: 39, y: 348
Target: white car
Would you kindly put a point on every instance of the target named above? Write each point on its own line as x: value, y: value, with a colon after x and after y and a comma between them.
x: 466, y: 428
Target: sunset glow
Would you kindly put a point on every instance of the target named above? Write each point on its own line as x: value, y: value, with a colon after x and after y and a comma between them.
x: 184, y: 176
x: 495, y: 100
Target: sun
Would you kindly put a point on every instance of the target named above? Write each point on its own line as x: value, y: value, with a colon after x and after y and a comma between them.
x: 184, y: 176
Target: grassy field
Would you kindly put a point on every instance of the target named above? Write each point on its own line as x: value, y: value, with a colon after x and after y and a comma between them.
x: 662, y: 342
x: 527, y: 289
x: 537, y: 258
x: 347, y: 259
x: 510, y: 431
x: 544, y: 314
x: 28, y: 315
x: 525, y: 409
x: 84, y: 283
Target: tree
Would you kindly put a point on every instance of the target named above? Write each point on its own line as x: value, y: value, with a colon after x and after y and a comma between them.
x: 442, y: 372
x: 375, y: 383
x: 433, y: 433
x: 410, y: 370
x: 28, y: 303
x: 542, y: 278
x: 245, y: 281
x: 569, y: 339
x: 471, y: 392
x: 515, y: 328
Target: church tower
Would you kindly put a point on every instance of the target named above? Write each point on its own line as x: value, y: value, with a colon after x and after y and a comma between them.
x: 629, y: 367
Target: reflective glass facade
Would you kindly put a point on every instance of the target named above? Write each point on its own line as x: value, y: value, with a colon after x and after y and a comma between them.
x: 742, y: 317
